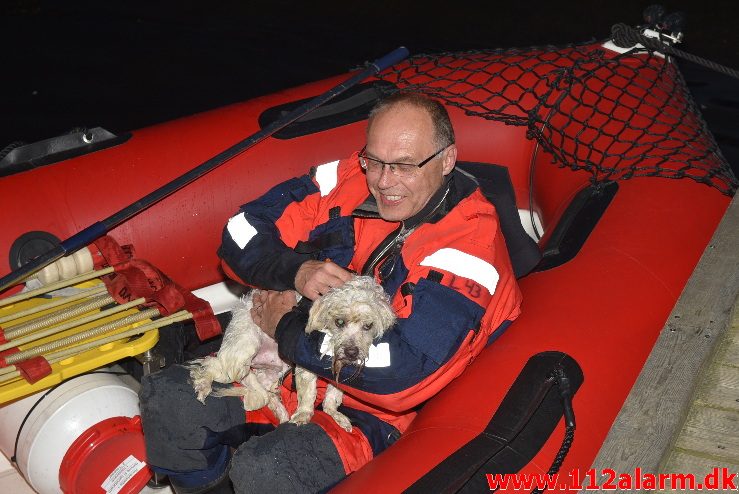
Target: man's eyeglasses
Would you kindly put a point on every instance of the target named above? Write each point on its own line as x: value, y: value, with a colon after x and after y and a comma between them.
x: 373, y: 165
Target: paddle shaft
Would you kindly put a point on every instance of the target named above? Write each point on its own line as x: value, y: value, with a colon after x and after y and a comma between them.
x: 97, y: 230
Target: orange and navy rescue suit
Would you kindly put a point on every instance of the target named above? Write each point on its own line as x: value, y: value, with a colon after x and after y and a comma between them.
x: 446, y: 270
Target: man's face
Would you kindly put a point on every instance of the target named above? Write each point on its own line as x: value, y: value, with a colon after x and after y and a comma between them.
x: 405, y: 134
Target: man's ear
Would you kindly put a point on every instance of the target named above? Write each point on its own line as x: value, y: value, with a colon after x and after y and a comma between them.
x: 450, y: 159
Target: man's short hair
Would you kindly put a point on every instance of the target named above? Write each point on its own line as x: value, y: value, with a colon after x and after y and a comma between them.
x: 443, y: 130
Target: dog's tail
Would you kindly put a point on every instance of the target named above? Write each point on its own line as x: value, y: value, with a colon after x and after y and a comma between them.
x: 254, y: 397
x: 207, y: 369
x: 231, y: 391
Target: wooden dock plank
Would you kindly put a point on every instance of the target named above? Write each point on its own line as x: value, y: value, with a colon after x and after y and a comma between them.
x: 699, y: 466
x: 711, y: 432
x: 710, y: 437
x: 729, y: 355
x: 720, y: 396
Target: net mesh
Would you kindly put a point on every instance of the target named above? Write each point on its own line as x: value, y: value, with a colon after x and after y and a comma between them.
x: 618, y: 116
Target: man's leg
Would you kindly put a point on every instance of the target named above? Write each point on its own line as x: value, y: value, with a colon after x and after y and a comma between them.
x: 289, y: 459
x: 185, y: 439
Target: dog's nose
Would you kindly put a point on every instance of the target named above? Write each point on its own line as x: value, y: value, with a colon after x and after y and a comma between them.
x: 351, y: 352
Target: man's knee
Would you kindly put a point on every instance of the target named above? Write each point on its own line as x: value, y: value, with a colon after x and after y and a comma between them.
x: 176, y: 425
x: 289, y: 459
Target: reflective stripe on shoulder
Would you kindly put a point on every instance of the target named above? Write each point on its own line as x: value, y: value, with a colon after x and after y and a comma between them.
x: 464, y: 265
x: 327, y: 175
x: 240, y: 230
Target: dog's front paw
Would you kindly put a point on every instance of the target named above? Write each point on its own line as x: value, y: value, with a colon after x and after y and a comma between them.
x: 301, y: 417
x: 341, y: 419
x: 278, y: 409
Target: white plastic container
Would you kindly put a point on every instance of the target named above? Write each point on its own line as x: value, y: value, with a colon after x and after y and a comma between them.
x: 58, y: 420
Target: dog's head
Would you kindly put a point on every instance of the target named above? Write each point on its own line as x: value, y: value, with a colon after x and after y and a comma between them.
x: 354, y: 315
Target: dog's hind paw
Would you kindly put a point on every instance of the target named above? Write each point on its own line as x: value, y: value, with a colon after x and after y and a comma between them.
x: 341, y: 419
x: 301, y: 417
x: 202, y: 390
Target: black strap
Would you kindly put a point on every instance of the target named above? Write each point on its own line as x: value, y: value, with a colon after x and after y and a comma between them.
x: 497, y: 187
x: 521, y: 425
x: 407, y: 288
x: 317, y: 244
x: 435, y: 276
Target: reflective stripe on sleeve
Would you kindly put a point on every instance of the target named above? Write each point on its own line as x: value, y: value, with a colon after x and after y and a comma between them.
x: 379, y: 355
x: 240, y: 230
x: 327, y: 175
x: 464, y: 265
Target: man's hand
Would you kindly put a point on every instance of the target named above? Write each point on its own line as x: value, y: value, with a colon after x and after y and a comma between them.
x: 314, y: 278
x: 269, y: 306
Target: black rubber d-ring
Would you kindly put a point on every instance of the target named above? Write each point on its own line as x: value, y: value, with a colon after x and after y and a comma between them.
x: 31, y: 245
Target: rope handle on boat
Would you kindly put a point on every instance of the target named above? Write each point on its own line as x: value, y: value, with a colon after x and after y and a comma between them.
x: 565, y: 392
x: 626, y: 36
x: 7, y: 149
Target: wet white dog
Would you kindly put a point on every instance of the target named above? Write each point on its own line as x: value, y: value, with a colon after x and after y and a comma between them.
x: 352, y: 316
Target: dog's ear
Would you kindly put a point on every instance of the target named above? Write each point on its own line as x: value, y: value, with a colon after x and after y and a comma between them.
x: 317, y: 316
x: 384, y: 310
x: 387, y: 316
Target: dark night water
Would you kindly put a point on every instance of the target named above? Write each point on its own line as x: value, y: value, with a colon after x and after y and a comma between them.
x: 126, y: 65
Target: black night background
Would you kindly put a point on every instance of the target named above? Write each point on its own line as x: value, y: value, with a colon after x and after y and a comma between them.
x: 126, y: 65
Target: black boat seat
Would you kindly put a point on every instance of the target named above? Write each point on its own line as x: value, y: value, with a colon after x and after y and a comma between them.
x: 496, y: 186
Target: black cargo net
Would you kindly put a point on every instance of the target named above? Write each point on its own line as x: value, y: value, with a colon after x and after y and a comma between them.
x: 618, y: 116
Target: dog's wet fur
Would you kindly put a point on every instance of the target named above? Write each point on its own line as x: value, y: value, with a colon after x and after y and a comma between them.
x: 352, y: 316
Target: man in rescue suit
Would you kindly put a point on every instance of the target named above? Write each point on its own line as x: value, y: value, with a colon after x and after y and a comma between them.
x: 397, y: 210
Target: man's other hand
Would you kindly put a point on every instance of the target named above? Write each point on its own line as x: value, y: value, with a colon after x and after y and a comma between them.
x: 269, y: 306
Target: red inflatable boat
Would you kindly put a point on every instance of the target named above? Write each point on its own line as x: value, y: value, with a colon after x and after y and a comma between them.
x: 611, y: 172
